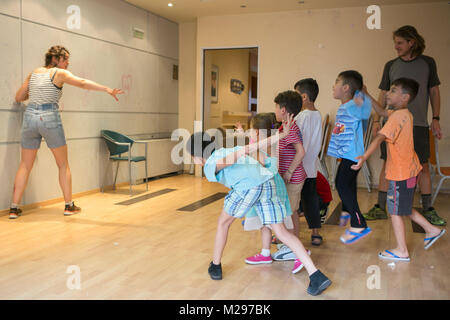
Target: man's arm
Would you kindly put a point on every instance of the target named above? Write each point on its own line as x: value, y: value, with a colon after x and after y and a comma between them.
x: 435, y: 98
x: 376, y: 118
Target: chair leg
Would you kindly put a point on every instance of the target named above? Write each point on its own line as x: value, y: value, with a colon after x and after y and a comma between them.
x: 115, y: 177
x: 435, y: 193
x: 333, y: 172
x: 129, y: 172
x: 146, y: 174
x: 366, y: 177
x: 323, y: 164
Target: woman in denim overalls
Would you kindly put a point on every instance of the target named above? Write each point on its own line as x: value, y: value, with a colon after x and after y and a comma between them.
x: 43, y: 88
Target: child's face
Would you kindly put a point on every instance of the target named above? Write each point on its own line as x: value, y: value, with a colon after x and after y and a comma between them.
x: 396, y: 98
x: 253, y: 134
x: 339, y: 89
x: 279, y: 112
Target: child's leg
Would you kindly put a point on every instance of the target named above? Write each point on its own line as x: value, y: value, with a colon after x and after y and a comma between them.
x: 223, y: 225
x: 430, y: 230
x: 296, y: 223
x: 311, y: 202
x: 266, y: 238
x: 294, y: 193
x: 399, y: 231
x: 346, y: 180
x: 295, y: 245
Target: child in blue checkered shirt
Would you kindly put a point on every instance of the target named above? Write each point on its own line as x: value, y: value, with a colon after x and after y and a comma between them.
x: 252, y: 186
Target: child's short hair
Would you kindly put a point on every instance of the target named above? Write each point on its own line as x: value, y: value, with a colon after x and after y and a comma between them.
x: 290, y: 100
x: 354, y: 80
x: 197, y: 144
x: 308, y: 86
x: 409, y: 86
x: 265, y: 121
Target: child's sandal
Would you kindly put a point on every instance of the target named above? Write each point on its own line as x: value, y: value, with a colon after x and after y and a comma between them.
x: 316, y: 243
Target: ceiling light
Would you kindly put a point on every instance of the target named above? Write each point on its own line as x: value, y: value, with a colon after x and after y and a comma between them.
x: 170, y: 4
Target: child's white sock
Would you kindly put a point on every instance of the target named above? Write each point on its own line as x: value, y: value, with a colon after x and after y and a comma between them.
x: 69, y: 203
x: 265, y: 252
x: 14, y: 205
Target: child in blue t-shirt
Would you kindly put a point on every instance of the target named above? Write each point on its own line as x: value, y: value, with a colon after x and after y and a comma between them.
x: 252, y: 186
x: 347, y: 143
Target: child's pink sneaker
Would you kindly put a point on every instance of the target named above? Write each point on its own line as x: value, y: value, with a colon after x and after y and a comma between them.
x: 258, y: 259
x: 298, y: 265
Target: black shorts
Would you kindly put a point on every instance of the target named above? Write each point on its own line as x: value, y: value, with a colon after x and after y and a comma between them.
x: 400, y: 197
x: 421, y: 136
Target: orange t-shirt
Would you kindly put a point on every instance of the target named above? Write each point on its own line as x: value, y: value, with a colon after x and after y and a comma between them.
x: 402, y: 162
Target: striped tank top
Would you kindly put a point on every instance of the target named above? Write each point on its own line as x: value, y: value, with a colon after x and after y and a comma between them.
x: 41, y: 89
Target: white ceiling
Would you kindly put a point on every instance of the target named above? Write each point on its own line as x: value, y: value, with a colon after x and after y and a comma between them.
x: 189, y: 10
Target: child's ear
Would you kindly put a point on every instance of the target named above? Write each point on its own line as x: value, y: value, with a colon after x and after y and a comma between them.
x: 406, y: 97
x: 346, y: 87
x: 304, y: 97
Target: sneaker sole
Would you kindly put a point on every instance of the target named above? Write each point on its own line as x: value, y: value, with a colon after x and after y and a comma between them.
x: 13, y: 217
x: 70, y: 213
x: 322, y: 287
x: 258, y: 262
x: 215, y: 278
x: 282, y: 259
x: 298, y: 269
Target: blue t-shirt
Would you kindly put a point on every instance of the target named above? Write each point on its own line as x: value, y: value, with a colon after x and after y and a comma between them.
x: 245, y: 174
x: 347, y: 138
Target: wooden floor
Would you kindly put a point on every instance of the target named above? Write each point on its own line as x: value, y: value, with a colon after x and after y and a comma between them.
x: 149, y: 250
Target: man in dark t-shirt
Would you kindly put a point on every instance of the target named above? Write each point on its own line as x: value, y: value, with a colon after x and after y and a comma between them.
x: 411, y: 63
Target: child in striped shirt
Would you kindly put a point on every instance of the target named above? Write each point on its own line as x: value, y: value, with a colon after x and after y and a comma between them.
x: 290, y: 156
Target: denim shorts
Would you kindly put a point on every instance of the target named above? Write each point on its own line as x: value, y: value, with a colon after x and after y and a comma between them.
x: 42, y: 121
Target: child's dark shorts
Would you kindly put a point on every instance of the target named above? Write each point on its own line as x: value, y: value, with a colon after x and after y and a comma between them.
x: 400, y: 196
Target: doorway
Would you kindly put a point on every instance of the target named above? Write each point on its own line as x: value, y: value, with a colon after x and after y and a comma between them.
x: 230, y: 87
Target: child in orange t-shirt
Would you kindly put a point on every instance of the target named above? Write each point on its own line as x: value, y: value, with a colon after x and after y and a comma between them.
x: 402, y: 166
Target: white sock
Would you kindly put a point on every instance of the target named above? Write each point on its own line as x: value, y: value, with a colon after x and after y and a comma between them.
x: 265, y: 252
x: 14, y: 205
x: 69, y: 203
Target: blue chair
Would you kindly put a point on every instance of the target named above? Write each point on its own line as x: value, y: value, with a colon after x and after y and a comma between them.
x: 117, y: 145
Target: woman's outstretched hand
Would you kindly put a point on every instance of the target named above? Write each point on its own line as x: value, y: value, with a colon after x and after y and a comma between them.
x: 114, y: 92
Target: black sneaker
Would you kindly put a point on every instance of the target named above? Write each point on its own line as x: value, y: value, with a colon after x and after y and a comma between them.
x: 14, y: 213
x: 215, y: 271
x: 318, y: 283
x: 71, y: 209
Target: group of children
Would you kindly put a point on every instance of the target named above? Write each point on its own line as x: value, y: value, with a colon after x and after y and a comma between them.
x: 267, y: 190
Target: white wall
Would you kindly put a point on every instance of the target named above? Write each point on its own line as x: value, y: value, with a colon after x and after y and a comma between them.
x: 103, y: 50
x: 321, y: 43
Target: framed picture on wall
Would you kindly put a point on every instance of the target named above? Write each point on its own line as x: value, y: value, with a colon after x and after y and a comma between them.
x: 214, y: 84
